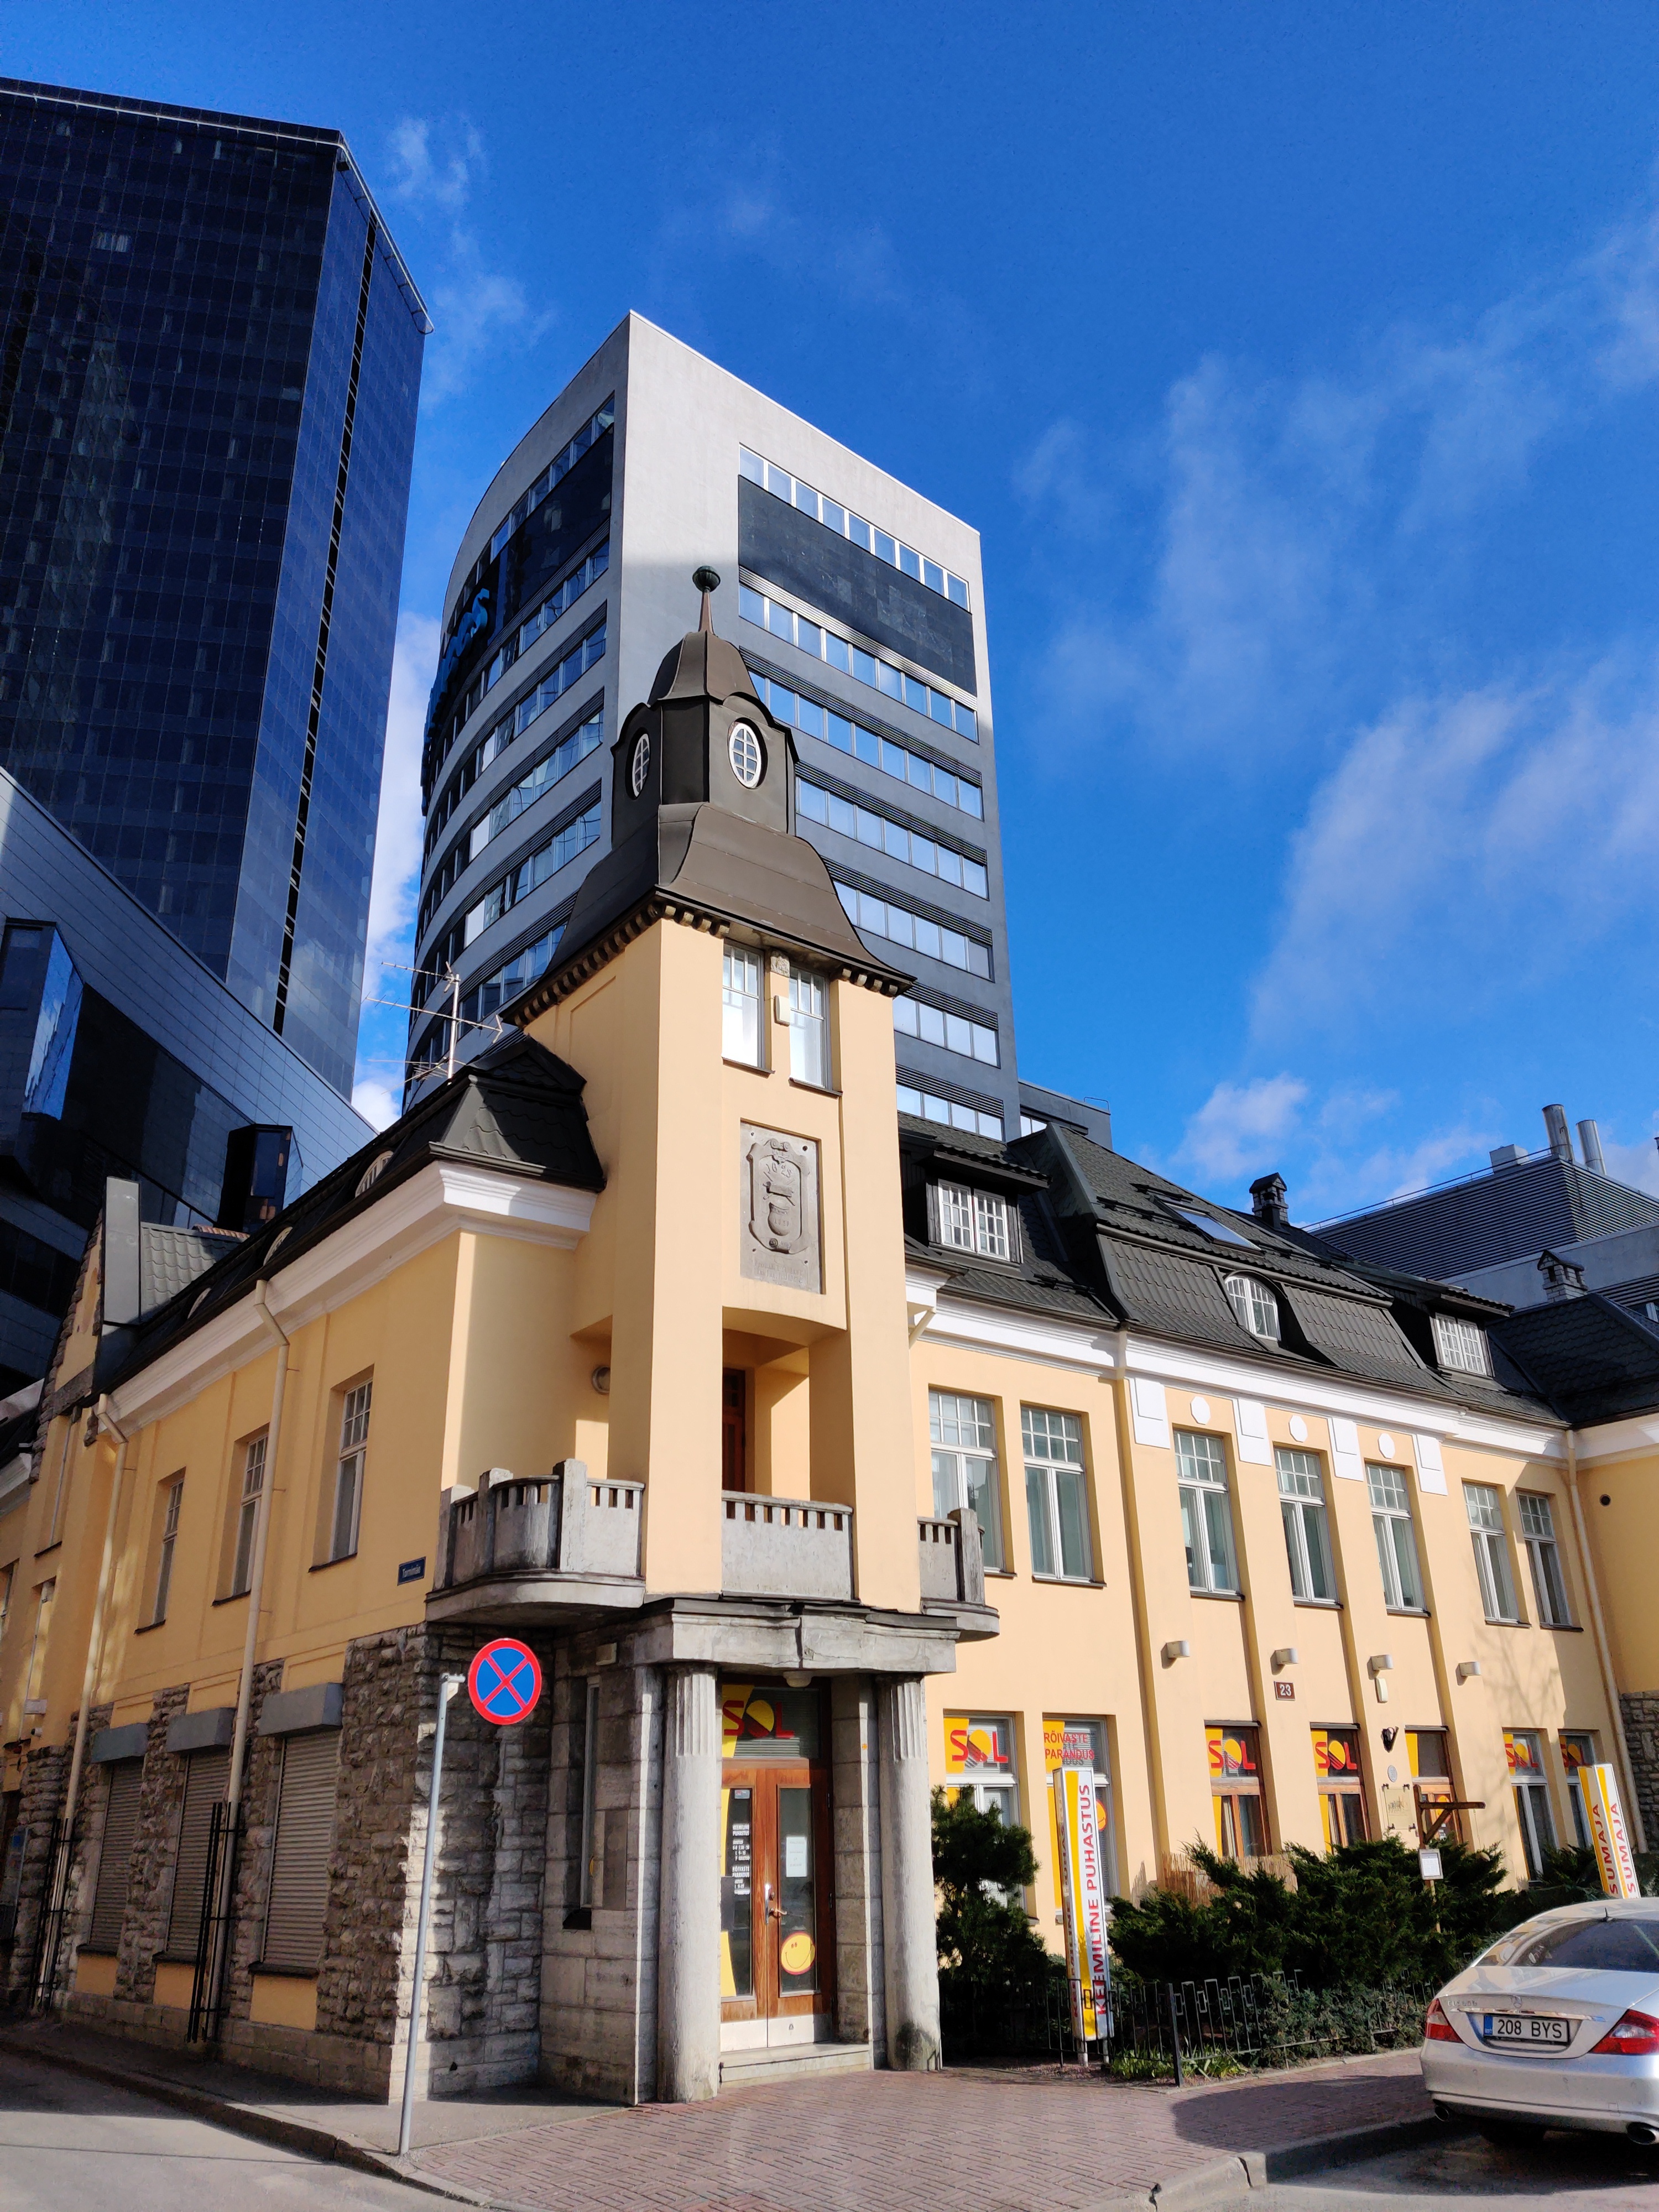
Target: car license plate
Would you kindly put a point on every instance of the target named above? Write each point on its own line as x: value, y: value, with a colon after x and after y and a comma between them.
x: 1529, y: 2031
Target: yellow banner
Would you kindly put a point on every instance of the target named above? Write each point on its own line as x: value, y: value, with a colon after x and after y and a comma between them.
x: 1082, y: 1898
x: 1611, y: 1839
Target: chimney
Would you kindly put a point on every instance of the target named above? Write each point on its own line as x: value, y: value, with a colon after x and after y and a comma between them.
x: 1267, y: 1201
x: 1589, y: 1144
x: 1563, y: 1279
x: 1555, y: 1129
x: 123, y: 1277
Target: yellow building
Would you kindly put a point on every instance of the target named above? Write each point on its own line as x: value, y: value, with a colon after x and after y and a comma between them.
x: 819, y: 1455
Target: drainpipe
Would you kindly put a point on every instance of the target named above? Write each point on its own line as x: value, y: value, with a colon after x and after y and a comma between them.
x: 88, y: 1682
x: 1599, y: 1626
x: 250, y: 1642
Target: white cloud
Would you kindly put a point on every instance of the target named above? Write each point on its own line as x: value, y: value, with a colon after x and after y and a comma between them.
x: 1288, y: 514
x: 375, y: 1101
x: 1637, y: 1164
x: 396, y: 886
x: 1467, y: 845
x: 444, y: 180
x: 1241, y: 1128
x: 475, y: 308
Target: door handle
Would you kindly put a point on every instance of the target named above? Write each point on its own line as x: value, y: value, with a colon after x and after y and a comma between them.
x: 772, y: 1912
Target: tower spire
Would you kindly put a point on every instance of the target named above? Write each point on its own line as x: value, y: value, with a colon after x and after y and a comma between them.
x: 707, y: 581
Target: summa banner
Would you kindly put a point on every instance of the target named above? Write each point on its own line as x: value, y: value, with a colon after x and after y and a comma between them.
x: 1606, y: 1816
x: 1082, y: 1898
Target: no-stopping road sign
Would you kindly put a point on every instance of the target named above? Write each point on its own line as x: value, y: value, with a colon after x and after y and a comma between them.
x: 504, y: 1682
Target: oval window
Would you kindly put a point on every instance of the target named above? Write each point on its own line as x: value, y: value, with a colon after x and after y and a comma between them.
x: 747, y: 760
x: 640, y: 766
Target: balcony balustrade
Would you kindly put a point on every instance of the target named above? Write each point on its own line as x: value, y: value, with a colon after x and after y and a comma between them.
x: 785, y: 1547
x: 953, y: 1572
x: 539, y: 1546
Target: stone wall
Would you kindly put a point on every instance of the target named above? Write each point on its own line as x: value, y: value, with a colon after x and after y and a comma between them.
x: 45, y: 1778
x: 599, y: 1995
x: 484, y: 1959
x: 1640, y: 1708
x: 252, y: 1893
x: 855, y: 1818
x: 155, y: 1843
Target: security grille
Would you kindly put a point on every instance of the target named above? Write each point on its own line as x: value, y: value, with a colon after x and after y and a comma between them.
x: 305, y: 1832
x: 109, y: 1902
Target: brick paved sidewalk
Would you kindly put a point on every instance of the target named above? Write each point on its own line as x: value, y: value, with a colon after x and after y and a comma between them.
x: 1029, y: 2142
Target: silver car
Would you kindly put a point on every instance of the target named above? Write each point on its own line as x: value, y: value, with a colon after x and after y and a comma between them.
x: 1556, y: 2025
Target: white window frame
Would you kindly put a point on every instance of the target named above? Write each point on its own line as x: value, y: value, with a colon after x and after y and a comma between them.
x: 977, y: 1221
x: 1574, y: 1796
x: 1543, y: 1548
x: 346, y: 1513
x: 1255, y: 1306
x: 1307, y: 1524
x: 1396, y: 1538
x: 1461, y: 1345
x: 809, y: 1029
x: 743, y: 987
x: 962, y: 1431
x: 1052, y: 1441
x: 1001, y: 1787
x: 1483, y: 1502
x: 248, y: 1513
x: 171, y: 1505
x: 1207, y: 1512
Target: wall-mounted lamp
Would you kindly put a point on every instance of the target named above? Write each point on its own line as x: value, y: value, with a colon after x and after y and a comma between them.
x: 1465, y: 1667
x: 1389, y: 1735
x: 601, y: 1378
x: 1179, y: 1650
x: 1284, y: 1658
x: 1381, y: 1665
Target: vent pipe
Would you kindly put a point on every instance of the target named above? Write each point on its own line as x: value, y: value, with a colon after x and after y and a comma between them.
x: 1589, y: 1144
x: 1555, y: 1129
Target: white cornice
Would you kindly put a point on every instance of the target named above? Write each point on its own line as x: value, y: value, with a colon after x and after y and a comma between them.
x: 1017, y: 1334
x: 1620, y: 1439
x: 443, y: 1197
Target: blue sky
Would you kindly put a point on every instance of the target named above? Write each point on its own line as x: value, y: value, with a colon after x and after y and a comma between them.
x: 1298, y: 366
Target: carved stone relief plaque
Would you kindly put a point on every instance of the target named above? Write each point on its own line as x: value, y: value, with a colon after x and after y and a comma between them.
x: 779, y: 1230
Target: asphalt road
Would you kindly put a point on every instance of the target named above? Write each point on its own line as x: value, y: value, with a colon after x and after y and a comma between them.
x: 1566, y: 2173
x: 67, y: 2143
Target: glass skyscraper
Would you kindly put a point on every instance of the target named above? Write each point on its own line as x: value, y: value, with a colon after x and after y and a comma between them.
x: 209, y: 372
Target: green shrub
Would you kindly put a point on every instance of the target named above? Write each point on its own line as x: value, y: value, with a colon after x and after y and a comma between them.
x: 985, y: 1944
x: 1359, y: 1916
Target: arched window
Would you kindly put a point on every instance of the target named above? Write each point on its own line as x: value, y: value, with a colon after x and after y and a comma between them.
x: 1255, y: 1304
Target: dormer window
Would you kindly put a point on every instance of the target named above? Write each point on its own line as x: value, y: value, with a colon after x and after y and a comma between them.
x: 1462, y: 1345
x: 1253, y: 1306
x: 740, y: 1007
x: 975, y: 1221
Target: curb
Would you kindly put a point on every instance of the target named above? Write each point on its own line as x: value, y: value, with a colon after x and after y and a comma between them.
x: 1200, y: 2189
x: 314, y: 2141
x: 1225, y: 2181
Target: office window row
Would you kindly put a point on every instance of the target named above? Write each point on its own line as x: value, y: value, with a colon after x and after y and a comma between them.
x: 339, y: 1508
x: 823, y: 644
x: 540, y: 778
x: 817, y: 720
x: 963, y: 1434
x: 845, y: 524
x: 536, y: 868
x: 556, y: 469
x: 918, y: 933
x: 949, y: 1113
x: 555, y: 680
x: 928, y: 855
x: 952, y: 1032
x: 1203, y: 1484
x: 557, y: 602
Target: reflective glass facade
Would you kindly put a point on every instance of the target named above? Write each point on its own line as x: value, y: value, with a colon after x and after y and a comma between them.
x: 209, y: 372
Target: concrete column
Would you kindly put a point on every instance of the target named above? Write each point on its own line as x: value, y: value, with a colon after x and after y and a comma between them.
x: 688, y: 1924
x: 908, y: 1941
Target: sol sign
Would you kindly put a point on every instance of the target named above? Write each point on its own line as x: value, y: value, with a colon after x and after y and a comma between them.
x: 504, y: 1682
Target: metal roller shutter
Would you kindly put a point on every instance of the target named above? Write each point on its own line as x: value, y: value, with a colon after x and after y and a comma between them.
x: 299, y: 1870
x: 204, y: 1788
x: 109, y: 1901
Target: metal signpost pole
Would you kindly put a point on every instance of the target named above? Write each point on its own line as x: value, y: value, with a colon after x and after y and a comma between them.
x: 447, y: 1688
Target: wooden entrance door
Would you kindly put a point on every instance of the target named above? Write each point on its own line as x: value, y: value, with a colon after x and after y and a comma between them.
x: 777, y: 1948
